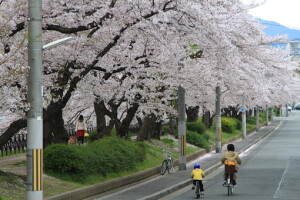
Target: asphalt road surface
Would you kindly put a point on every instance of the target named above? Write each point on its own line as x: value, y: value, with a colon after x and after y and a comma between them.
x: 269, y: 170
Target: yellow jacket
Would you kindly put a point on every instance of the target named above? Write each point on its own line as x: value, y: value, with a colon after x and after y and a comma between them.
x: 197, y: 174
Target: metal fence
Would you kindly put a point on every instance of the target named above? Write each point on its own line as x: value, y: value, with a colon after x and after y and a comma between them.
x: 18, y: 143
x: 15, y: 145
x: 72, y: 132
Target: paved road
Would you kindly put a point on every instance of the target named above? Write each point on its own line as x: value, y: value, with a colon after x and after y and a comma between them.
x: 270, y: 169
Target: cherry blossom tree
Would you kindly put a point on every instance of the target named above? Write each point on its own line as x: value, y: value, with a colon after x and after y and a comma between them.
x: 129, y: 57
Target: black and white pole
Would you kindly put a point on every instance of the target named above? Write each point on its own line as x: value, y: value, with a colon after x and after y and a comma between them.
x: 244, y: 132
x: 181, y: 129
x: 267, y: 115
x: 218, y: 121
x: 35, y: 114
x: 257, y: 118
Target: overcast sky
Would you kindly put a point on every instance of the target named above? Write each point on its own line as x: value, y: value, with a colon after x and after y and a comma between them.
x: 285, y: 12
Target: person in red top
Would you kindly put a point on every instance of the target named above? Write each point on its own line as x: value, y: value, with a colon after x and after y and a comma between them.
x: 80, y: 129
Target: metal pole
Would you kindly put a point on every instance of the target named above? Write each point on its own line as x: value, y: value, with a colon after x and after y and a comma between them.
x: 181, y: 129
x: 218, y: 120
x: 286, y: 110
x: 257, y: 118
x: 267, y: 115
x: 35, y: 100
x: 244, y: 135
x: 272, y: 113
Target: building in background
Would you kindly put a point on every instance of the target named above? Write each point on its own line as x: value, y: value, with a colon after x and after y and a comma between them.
x: 294, y: 49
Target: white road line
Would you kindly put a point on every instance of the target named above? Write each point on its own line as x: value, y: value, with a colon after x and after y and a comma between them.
x: 282, y: 180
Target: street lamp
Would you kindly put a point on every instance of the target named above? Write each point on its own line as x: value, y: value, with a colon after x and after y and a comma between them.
x: 35, y: 100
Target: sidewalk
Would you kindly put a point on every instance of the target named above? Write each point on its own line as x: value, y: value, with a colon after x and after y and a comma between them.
x: 9, y: 160
x: 163, y: 185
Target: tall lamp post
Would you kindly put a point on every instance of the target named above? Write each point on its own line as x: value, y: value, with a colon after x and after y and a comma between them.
x: 35, y: 99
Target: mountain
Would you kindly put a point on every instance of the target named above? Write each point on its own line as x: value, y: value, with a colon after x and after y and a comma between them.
x: 274, y: 28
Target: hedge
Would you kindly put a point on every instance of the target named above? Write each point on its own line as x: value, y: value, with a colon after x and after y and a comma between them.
x: 226, y: 125
x: 198, y: 127
x: 196, y: 139
x: 110, y: 154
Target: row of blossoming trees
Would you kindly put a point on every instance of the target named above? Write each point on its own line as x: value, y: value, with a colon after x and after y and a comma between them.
x: 127, y: 59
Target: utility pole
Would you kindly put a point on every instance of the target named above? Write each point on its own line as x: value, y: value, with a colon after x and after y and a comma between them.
x: 181, y: 129
x: 257, y: 118
x: 35, y: 100
x: 218, y: 120
x: 267, y: 115
x: 244, y: 131
x: 34, y: 180
x: 272, y: 113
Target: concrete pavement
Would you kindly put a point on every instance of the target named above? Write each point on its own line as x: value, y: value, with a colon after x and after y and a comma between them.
x: 163, y: 185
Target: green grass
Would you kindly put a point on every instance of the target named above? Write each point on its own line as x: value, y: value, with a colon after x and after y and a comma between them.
x: 168, y: 141
x: 11, y: 153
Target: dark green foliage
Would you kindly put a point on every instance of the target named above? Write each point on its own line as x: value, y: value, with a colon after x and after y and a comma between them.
x: 196, y: 139
x: 64, y: 160
x: 198, y: 127
x: 166, y: 130
x: 250, y: 120
x: 239, y: 125
x: 93, y: 136
x: 110, y: 154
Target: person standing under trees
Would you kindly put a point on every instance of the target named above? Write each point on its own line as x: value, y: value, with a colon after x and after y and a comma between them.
x: 80, y: 129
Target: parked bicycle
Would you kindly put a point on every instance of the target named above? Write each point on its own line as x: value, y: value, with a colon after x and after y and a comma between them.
x: 167, y: 164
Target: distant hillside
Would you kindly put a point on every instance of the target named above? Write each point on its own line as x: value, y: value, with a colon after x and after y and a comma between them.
x: 275, y: 28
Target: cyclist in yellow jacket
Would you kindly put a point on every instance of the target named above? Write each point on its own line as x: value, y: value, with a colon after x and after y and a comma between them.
x: 197, y: 175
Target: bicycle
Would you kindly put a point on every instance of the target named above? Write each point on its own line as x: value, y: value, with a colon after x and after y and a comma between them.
x: 197, y: 190
x: 228, y: 184
x: 167, y: 163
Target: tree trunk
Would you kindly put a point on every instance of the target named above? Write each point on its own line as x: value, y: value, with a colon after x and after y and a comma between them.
x: 173, y: 124
x: 144, y: 133
x: 13, y: 128
x: 192, y: 113
x: 101, y: 111
x: 156, y: 129
x: 47, y: 134
x: 54, y: 124
x: 58, y: 128
x: 123, y: 128
x: 206, y: 119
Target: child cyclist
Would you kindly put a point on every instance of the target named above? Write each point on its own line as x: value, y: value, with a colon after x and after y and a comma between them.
x: 228, y: 158
x: 197, y: 175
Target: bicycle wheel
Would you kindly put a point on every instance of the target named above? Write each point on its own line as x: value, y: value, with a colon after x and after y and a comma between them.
x: 163, y: 168
x: 197, y: 190
x: 170, y: 166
